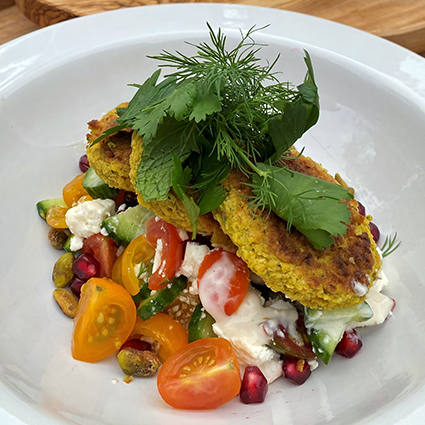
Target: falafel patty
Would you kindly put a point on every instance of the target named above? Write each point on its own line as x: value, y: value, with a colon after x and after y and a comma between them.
x: 110, y: 158
x: 336, y: 277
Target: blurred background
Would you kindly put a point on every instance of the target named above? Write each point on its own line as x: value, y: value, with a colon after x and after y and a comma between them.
x: 400, y: 21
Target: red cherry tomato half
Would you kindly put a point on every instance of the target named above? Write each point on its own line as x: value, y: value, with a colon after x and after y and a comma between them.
x: 202, y: 375
x: 223, y: 281
x: 104, y: 249
x: 172, y: 251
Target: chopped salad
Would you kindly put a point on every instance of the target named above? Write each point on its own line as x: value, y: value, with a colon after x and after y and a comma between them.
x: 174, y: 302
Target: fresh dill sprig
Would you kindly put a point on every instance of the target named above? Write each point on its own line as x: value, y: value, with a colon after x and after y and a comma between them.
x: 145, y: 267
x: 223, y: 110
x: 390, y: 245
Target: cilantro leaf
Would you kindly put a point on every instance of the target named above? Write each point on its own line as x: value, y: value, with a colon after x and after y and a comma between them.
x: 177, y: 103
x: 312, y: 205
x: 207, y: 103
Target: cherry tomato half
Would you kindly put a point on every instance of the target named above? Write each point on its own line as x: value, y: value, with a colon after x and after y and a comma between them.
x: 74, y: 190
x: 169, y: 333
x: 201, y: 376
x: 55, y: 217
x: 105, y: 318
x: 104, y: 249
x: 223, y: 281
x: 139, y: 250
x: 117, y: 271
x: 172, y: 251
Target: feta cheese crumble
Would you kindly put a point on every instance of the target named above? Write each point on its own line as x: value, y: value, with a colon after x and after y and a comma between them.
x: 84, y: 220
x: 193, y: 257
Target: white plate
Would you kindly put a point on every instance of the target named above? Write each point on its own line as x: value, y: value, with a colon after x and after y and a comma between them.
x: 371, y: 130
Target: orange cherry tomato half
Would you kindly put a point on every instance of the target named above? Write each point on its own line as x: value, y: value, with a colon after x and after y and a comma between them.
x: 172, y: 251
x: 55, y: 217
x: 104, y: 249
x: 202, y: 375
x: 105, y: 317
x: 169, y: 333
x: 138, y: 250
x: 223, y: 281
x: 74, y: 190
x: 117, y: 271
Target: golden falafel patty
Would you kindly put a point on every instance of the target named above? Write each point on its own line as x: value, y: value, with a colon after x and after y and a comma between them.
x: 172, y: 209
x: 110, y: 158
x: 287, y: 262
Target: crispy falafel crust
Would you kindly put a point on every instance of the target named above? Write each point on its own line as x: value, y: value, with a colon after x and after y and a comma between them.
x: 110, y: 158
x: 287, y: 261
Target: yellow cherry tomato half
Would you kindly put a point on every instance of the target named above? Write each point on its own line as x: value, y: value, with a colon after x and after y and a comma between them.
x: 74, y: 190
x: 169, y: 333
x: 139, y: 250
x: 55, y: 217
x: 117, y: 271
x: 105, y: 317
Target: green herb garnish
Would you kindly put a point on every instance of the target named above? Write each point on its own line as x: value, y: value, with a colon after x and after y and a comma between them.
x: 221, y: 110
x: 390, y: 245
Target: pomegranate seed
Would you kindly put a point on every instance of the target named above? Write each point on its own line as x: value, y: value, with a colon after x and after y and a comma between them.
x: 137, y: 344
x: 254, y: 386
x: 76, y: 285
x: 349, y: 345
x: 361, y: 209
x: 85, y: 266
x: 130, y: 199
x: 83, y: 163
x: 296, y: 370
x: 375, y: 231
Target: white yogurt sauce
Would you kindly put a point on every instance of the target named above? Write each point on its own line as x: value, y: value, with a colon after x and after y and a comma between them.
x: 244, y: 329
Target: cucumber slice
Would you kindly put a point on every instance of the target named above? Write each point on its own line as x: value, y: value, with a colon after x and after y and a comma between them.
x: 96, y: 187
x: 67, y: 246
x: 126, y: 226
x: 200, y: 325
x: 43, y: 206
x: 144, y: 293
x: 162, y: 298
x: 326, y: 327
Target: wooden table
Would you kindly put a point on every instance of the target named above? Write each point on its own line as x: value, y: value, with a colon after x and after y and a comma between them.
x: 400, y: 21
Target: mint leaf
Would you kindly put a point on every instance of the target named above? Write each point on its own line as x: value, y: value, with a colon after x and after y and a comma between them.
x: 181, y: 179
x: 156, y: 165
x: 312, y: 205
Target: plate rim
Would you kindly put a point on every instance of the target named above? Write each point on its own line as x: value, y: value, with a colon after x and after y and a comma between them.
x: 15, y: 78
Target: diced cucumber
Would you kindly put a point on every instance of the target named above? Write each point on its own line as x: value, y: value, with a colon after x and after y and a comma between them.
x: 326, y: 327
x: 96, y: 187
x: 144, y: 293
x: 126, y: 226
x: 67, y: 246
x: 43, y: 206
x: 200, y: 325
x: 162, y: 298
